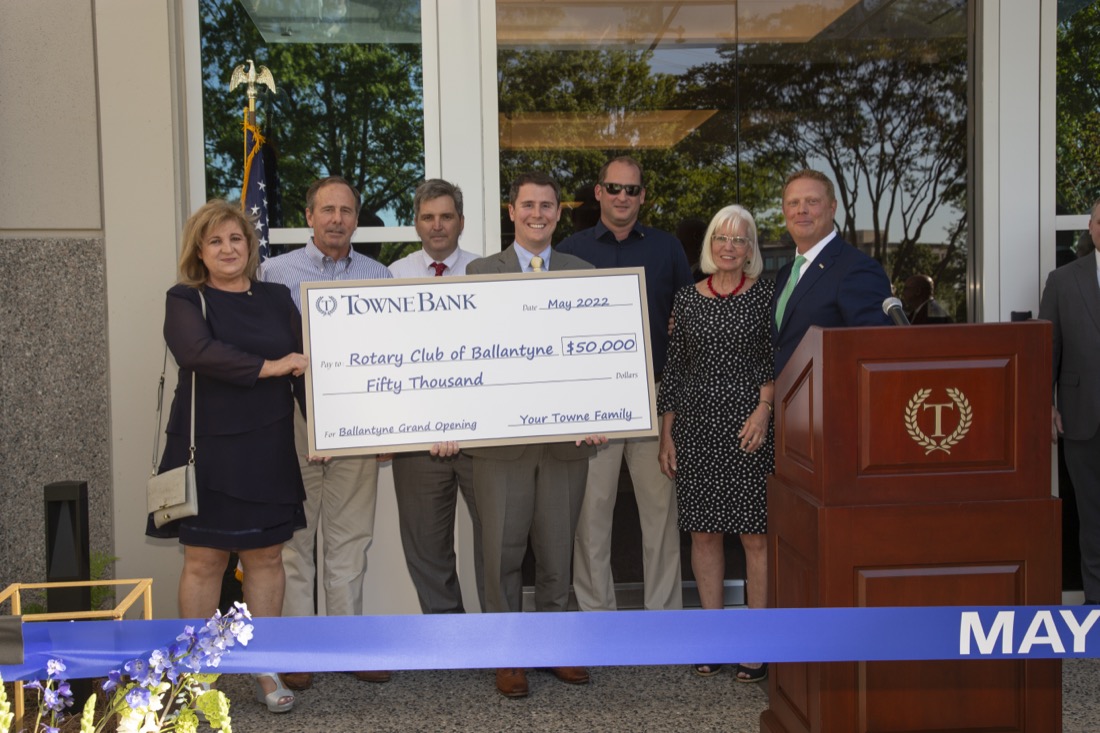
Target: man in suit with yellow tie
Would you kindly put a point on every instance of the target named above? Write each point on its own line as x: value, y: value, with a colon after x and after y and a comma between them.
x: 531, y: 491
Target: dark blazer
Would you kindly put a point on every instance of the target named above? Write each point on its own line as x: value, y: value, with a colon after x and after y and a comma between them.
x: 226, y: 350
x: 508, y: 261
x: 841, y: 287
x: 1071, y: 301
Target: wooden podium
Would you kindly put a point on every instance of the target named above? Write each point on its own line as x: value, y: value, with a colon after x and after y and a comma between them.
x: 912, y: 468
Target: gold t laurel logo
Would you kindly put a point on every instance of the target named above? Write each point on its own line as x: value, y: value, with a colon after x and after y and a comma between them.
x: 917, y: 405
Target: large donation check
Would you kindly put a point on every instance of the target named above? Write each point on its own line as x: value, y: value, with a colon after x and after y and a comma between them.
x: 398, y: 365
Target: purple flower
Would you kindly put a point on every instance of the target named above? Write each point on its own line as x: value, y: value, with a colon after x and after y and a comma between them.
x: 138, y: 698
x: 159, y: 660
x: 114, y: 677
x: 55, y: 700
x: 242, y: 631
x: 135, y: 667
x: 54, y: 668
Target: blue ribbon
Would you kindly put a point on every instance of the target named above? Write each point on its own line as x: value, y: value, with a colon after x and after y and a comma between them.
x: 340, y: 643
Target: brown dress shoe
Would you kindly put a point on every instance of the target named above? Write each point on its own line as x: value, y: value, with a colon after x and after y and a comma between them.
x: 298, y: 680
x: 571, y: 675
x: 512, y: 682
x: 375, y: 676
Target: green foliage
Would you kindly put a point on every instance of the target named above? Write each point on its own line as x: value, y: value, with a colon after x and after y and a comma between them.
x: 1077, y: 131
x: 354, y: 110
x: 692, y: 179
x: 885, y: 118
x: 99, y: 567
x: 883, y: 111
x: 6, y: 715
x: 393, y: 251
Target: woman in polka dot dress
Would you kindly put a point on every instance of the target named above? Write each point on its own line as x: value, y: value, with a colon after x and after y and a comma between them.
x: 716, y: 400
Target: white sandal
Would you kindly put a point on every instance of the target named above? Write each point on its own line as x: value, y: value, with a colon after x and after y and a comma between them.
x: 279, y: 700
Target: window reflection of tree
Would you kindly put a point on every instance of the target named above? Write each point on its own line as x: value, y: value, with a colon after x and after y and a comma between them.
x: 350, y: 109
x: 885, y: 116
x: 1077, y: 137
x: 887, y: 119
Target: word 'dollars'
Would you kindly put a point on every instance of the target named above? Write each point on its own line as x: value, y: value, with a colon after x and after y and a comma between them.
x: 1043, y: 628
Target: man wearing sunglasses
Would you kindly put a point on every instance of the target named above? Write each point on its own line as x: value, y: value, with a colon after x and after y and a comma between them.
x: 618, y: 240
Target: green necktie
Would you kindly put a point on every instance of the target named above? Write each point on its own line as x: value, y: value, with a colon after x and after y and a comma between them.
x: 792, y: 281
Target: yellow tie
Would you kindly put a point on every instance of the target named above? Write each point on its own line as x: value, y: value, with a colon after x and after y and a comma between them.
x: 536, y: 264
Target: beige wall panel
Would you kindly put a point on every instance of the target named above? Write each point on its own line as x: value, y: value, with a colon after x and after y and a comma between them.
x: 140, y: 203
x: 49, y: 149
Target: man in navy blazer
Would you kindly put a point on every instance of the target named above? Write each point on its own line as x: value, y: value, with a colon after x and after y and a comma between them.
x: 835, y: 285
x: 1071, y: 301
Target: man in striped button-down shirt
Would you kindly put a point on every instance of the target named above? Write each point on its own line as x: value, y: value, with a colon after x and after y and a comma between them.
x: 340, y: 493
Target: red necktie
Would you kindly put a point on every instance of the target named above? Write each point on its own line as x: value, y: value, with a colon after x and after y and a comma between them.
x: 439, y: 268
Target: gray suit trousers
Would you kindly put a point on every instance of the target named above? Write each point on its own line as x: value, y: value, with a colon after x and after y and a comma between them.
x: 427, y: 491
x: 1083, y: 464
x: 538, y: 495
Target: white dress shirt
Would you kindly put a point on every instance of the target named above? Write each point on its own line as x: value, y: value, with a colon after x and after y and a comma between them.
x: 419, y: 264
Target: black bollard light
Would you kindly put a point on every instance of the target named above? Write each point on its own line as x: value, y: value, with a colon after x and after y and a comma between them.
x: 67, y: 555
x: 68, y: 558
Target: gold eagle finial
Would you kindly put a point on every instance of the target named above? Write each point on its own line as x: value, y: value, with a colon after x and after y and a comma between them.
x: 252, y: 77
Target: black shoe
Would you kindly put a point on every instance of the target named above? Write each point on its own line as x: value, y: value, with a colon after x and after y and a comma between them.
x: 752, y: 674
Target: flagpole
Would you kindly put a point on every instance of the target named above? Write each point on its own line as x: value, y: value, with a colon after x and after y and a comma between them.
x: 253, y: 180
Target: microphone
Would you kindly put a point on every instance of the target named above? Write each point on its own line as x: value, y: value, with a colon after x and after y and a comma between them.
x: 892, y: 307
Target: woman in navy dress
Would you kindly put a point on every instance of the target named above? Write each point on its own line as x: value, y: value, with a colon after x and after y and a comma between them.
x: 247, y: 361
x: 715, y: 402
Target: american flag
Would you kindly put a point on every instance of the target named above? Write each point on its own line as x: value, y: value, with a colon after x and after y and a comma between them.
x: 254, y: 187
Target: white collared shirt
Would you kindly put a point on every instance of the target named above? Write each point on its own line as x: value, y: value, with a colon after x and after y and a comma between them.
x: 812, y: 253
x: 419, y: 264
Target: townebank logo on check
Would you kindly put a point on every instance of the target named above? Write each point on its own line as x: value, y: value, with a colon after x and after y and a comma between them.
x: 353, y: 304
x: 399, y: 365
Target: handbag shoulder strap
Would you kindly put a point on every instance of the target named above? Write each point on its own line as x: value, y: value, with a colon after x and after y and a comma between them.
x: 160, y: 409
x: 160, y: 403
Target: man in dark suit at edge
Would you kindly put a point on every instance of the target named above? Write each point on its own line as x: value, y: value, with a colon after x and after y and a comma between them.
x: 834, y: 284
x: 530, y: 490
x: 1071, y: 301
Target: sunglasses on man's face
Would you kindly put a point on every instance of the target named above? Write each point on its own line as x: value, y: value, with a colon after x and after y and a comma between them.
x: 632, y: 189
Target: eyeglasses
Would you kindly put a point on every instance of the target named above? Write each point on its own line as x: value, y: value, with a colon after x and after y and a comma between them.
x: 632, y: 189
x: 738, y: 242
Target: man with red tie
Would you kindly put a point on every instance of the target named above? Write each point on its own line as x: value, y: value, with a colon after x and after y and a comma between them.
x: 437, y: 214
x: 428, y: 486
